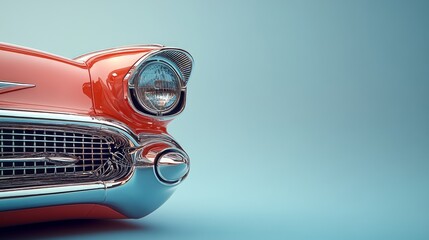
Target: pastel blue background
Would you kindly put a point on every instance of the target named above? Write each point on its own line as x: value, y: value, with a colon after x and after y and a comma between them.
x: 305, y: 119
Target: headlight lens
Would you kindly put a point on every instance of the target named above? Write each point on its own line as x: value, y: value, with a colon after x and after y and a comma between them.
x: 158, y: 87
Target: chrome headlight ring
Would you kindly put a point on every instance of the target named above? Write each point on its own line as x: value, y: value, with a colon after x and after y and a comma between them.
x: 157, y: 87
x: 157, y: 82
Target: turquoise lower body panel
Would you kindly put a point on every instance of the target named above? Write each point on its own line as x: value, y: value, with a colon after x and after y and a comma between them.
x: 141, y: 195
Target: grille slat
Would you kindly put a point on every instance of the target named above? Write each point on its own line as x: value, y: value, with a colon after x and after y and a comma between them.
x: 48, y: 147
x: 44, y: 135
x: 46, y: 167
x: 26, y: 155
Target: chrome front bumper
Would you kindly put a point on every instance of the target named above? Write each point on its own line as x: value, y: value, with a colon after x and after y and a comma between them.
x: 159, y: 164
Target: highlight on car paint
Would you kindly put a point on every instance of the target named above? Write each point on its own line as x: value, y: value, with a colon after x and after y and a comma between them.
x: 86, y: 138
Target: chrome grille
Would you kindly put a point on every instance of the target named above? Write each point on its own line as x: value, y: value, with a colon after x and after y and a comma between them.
x: 38, y: 156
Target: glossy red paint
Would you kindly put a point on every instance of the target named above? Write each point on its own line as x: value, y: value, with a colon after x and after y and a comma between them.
x: 55, y: 213
x: 62, y: 85
x: 110, y: 90
x: 92, y: 84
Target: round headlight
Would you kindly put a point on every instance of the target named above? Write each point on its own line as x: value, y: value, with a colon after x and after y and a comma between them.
x: 158, y: 87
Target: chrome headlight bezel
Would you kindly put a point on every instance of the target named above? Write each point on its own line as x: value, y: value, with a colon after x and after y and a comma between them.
x: 140, y: 92
x: 178, y: 61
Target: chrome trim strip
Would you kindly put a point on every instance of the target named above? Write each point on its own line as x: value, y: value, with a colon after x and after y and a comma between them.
x: 12, y: 86
x: 38, y: 191
x: 10, y: 46
x: 85, y: 57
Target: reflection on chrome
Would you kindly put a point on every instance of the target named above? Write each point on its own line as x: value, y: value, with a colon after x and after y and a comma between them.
x: 87, y: 137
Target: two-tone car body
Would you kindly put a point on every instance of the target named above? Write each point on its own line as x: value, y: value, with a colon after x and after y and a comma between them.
x: 86, y: 137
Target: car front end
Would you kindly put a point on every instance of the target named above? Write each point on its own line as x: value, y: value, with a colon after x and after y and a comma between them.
x: 87, y: 137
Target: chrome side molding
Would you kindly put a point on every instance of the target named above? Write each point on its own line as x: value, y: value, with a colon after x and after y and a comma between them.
x: 12, y: 86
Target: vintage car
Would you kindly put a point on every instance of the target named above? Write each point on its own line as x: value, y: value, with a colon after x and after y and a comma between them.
x: 86, y: 138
